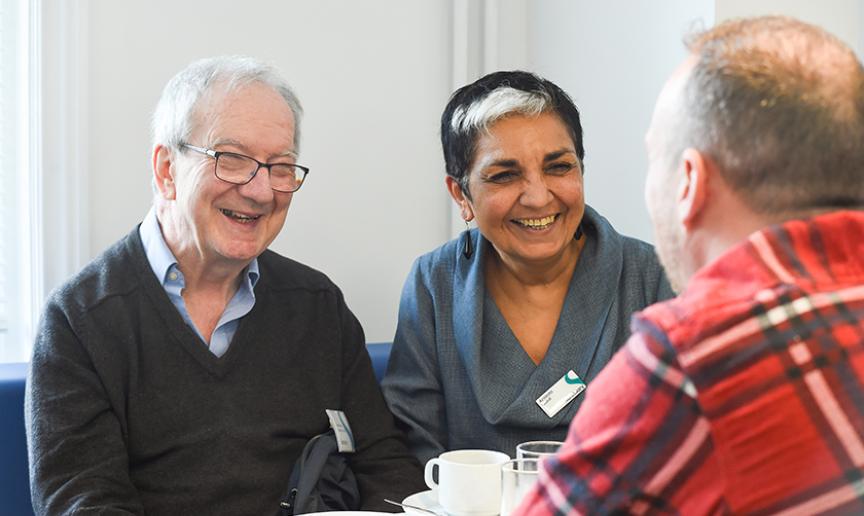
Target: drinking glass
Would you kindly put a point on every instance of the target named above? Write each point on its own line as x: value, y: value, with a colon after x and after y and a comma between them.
x: 517, y: 478
x: 537, y: 449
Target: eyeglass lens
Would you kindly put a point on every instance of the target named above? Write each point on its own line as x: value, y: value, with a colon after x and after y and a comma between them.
x: 238, y: 169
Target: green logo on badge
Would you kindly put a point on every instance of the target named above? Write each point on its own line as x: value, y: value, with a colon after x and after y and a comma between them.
x: 575, y: 381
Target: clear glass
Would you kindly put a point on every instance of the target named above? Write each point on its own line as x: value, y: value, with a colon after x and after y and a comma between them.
x: 518, y: 476
x: 537, y: 449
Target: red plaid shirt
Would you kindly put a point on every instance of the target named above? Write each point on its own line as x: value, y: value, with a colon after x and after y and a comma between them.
x: 745, y: 394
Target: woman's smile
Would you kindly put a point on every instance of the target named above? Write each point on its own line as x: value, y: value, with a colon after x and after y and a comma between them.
x: 536, y: 224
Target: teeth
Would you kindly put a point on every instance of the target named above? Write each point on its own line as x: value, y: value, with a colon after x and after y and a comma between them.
x: 537, y: 223
x: 239, y: 217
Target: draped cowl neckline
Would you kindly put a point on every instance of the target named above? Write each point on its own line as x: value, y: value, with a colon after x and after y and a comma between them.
x: 505, y: 380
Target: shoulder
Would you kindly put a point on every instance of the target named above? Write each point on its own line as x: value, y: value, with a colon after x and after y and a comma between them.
x: 640, y: 261
x: 635, y: 252
x: 441, y: 264
x: 704, y: 310
x: 116, y: 272
x: 639, y: 251
x: 282, y: 273
x: 445, y: 256
x: 641, y: 271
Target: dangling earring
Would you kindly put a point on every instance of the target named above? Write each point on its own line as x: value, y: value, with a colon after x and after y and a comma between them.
x: 467, y: 249
x: 578, y: 235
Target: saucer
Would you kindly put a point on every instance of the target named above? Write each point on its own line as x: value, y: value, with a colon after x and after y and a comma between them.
x: 425, y: 499
x: 349, y: 513
x: 429, y: 500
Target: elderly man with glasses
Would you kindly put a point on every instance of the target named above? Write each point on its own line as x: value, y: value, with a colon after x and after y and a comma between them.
x: 185, y: 369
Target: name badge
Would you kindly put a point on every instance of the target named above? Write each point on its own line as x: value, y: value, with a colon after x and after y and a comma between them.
x: 563, y: 392
x: 344, y: 437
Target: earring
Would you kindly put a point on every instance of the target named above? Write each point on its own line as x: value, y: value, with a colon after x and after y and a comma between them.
x: 578, y: 235
x: 467, y: 249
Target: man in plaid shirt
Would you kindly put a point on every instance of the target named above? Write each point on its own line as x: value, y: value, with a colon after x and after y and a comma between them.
x: 745, y: 394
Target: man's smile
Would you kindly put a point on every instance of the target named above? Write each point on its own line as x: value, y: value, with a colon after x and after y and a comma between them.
x: 243, y: 218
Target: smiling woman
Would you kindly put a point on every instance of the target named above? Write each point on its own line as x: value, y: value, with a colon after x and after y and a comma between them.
x: 525, y: 192
x: 543, y: 288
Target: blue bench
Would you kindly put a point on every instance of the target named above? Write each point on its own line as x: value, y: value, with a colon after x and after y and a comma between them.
x: 379, y: 352
x: 14, y: 477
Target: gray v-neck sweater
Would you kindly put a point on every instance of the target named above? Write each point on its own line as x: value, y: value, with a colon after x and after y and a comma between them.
x: 458, y: 377
x: 128, y: 412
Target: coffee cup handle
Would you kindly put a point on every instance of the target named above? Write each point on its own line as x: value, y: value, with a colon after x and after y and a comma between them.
x: 428, y: 473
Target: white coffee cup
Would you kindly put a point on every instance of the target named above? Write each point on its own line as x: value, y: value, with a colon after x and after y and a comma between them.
x: 469, y: 481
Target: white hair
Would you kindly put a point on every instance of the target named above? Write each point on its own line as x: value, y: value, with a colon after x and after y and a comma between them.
x: 172, y: 121
x: 498, y: 104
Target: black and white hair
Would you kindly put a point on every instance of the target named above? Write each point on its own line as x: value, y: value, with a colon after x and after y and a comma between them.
x: 475, y: 107
x: 173, y: 119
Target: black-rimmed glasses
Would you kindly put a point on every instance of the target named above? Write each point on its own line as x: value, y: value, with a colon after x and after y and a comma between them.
x: 239, y: 169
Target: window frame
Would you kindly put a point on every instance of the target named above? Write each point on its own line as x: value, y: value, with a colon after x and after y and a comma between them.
x: 51, y: 184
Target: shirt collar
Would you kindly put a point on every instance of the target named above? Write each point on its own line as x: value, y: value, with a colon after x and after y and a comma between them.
x: 252, y: 274
x: 162, y: 260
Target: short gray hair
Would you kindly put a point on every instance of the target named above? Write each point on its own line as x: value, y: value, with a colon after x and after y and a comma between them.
x: 779, y: 105
x: 173, y: 118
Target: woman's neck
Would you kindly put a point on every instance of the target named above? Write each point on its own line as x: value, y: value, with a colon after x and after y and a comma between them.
x: 530, y: 296
x: 521, y: 275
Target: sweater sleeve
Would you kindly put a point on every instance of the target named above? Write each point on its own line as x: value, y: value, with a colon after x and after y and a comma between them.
x: 412, y: 385
x: 382, y: 463
x: 78, y: 457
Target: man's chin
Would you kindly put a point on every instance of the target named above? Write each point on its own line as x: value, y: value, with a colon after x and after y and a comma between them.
x: 241, y: 254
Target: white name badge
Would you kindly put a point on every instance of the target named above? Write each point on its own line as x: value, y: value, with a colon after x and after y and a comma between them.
x: 344, y: 437
x: 563, y: 392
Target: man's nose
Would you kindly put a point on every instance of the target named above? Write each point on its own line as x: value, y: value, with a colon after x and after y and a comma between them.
x: 259, y: 189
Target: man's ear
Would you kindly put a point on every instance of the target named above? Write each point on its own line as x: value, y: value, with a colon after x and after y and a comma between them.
x: 163, y: 172
x: 692, y: 192
x: 458, y: 195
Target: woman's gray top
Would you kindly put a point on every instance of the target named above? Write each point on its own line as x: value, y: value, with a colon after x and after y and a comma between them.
x: 458, y: 377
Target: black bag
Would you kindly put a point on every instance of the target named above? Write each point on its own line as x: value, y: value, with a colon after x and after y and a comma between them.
x: 321, y: 480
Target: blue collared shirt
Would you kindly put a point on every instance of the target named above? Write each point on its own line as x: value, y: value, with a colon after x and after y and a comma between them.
x: 164, y: 266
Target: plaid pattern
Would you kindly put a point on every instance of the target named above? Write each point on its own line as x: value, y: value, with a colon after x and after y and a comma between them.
x: 743, y: 395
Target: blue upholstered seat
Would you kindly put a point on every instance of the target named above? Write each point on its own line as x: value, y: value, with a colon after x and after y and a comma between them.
x: 379, y: 352
x: 14, y: 478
